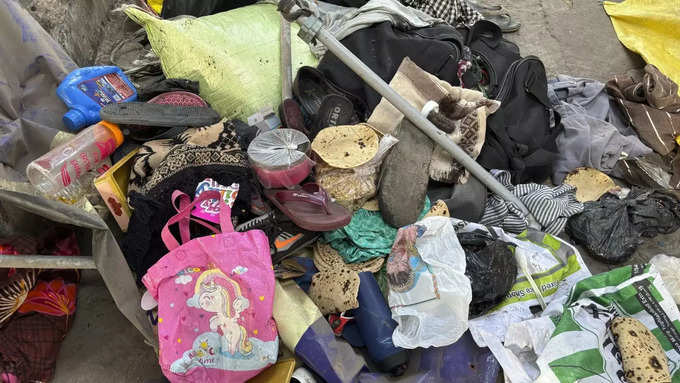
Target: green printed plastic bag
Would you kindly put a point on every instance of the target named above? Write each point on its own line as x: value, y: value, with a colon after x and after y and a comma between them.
x: 576, y: 345
x: 234, y: 55
x: 582, y: 347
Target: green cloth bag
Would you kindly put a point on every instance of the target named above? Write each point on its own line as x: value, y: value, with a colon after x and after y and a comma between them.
x: 234, y: 55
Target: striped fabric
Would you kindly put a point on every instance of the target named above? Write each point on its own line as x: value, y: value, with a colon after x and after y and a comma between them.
x: 551, y: 206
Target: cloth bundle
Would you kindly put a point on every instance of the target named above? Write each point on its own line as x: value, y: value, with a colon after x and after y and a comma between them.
x: 595, y: 134
x: 366, y: 237
x: 551, y: 206
x: 651, y: 103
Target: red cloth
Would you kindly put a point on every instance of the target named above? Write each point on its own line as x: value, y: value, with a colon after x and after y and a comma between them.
x: 30, y: 345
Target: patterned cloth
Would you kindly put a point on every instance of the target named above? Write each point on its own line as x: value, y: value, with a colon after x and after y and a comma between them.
x: 454, y: 12
x: 551, y: 206
x: 14, y: 290
x: 30, y: 339
x: 462, y: 115
x: 221, y: 135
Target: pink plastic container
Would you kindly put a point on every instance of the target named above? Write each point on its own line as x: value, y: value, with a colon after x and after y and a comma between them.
x: 280, y: 159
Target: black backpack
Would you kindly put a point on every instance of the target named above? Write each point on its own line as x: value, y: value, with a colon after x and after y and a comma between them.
x: 491, y: 52
x: 519, y: 136
x: 382, y: 47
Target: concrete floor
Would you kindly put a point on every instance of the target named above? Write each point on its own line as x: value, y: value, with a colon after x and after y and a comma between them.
x: 571, y: 38
x: 103, y: 346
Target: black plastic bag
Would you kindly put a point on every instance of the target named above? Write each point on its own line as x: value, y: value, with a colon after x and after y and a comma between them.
x: 491, y: 268
x: 612, y: 229
x: 198, y: 8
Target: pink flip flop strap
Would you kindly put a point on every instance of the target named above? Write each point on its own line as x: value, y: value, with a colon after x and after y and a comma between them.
x: 319, y: 197
x: 183, y: 217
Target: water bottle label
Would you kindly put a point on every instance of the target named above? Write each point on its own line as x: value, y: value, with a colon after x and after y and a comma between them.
x: 105, y: 149
x: 106, y: 89
x: 82, y: 163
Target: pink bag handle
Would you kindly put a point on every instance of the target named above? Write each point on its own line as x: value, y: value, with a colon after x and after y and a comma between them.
x: 183, y: 217
x: 184, y: 203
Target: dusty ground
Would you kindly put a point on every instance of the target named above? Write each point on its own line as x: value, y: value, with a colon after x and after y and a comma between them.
x: 571, y: 38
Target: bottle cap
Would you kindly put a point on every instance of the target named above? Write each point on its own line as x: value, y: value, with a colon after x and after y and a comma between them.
x: 115, y: 130
x: 74, y: 120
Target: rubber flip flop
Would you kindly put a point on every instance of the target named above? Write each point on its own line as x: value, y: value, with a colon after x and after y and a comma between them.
x: 291, y: 116
x: 482, y: 7
x: 335, y: 110
x: 504, y: 21
x: 310, y: 207
x: 148, y: 114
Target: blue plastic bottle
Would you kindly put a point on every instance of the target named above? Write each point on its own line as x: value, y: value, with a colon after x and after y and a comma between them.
x: 86, y: 90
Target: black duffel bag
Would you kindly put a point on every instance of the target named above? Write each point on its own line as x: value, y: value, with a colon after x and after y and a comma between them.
x: 491, y: 52
x: 382, y: 47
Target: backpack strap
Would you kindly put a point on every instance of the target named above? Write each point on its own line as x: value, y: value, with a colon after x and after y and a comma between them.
x: 183, y: 217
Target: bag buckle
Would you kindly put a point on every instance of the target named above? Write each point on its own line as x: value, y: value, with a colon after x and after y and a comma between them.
x: 338, y: 322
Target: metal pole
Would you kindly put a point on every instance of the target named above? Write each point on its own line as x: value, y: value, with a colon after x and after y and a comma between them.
x: 286, y: 61
x: 312, y: 27
x: 46, y: 262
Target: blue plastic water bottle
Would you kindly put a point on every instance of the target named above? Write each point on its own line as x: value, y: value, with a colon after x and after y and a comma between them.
x: 86, y: 90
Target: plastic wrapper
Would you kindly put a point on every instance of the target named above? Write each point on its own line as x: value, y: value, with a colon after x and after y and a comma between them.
x: 668, y: 267
x: 612, y: 229
x: 547, y: 267
x: 491, y: 267
x: 429, y: 292
x: 279, y: 158
x: 353, y: 187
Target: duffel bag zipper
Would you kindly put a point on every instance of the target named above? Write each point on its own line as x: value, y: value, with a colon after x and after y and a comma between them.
x: 509, y: 77
x: 449, y: 40
x: 487, y: 65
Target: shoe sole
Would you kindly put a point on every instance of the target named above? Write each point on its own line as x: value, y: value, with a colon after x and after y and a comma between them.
x: 291, y: 252
x: 146, y: 114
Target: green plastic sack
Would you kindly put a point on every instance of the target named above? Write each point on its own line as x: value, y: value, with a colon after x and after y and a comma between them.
x: 234, y: 55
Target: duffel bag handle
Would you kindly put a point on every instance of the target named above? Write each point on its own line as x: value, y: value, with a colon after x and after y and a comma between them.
x: 481, y: 29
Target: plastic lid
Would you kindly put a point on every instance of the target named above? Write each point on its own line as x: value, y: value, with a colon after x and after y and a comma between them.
x: 115, y: 131
x: 278, y: 149
x: 74, y: 120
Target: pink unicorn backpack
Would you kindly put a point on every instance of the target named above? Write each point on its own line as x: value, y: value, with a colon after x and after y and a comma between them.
x: 215, y: 298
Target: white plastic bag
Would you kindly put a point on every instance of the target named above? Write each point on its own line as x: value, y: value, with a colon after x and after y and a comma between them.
x: 669, y: 268
x: 429, y: 292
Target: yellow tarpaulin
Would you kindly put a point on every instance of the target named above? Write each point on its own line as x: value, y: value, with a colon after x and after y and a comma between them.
x: 652, y: 29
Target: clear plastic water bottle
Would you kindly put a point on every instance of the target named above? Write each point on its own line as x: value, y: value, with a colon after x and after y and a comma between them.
x: 59, y: 173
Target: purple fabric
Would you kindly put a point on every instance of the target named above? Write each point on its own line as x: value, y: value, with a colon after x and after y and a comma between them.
x: 461, y: 362
x: 333, y: 360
